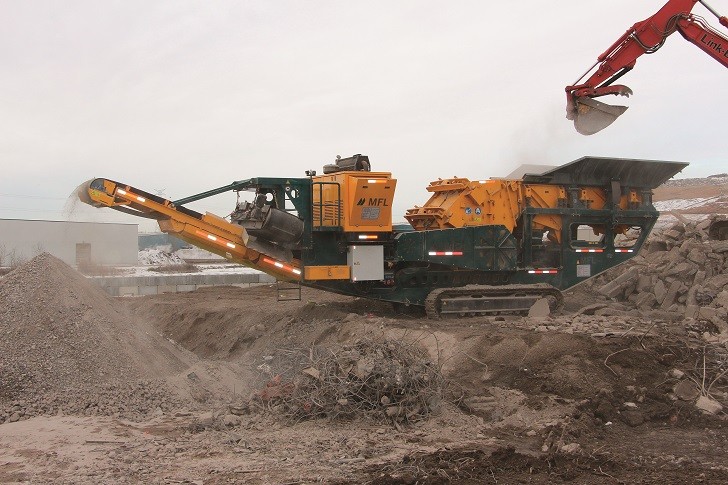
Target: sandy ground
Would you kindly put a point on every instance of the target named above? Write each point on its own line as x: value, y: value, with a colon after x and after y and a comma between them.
x: 549, y: 400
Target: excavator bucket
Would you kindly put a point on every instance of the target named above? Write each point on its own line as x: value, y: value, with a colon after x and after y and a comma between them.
x: 592, y: 116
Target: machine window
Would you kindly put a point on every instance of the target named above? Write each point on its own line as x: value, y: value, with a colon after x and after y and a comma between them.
x: 546, y: 252
x: 587, y: 235
x: 626, y: 237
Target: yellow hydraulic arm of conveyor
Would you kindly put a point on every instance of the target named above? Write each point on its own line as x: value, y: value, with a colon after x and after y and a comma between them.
x: 206, y: 231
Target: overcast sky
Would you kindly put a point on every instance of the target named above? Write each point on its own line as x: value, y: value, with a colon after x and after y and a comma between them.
x: 183, y: 96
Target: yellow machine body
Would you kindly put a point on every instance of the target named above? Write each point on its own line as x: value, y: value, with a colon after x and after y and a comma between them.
x: 356, y: 201
x: 459, y: 202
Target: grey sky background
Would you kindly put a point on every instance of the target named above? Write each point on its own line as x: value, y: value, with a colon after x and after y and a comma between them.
x: 184, y: 96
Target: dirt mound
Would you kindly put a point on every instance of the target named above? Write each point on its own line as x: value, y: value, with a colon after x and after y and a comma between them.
x: 228, y: 322
x: 64, y: 346
x: 506, y: 465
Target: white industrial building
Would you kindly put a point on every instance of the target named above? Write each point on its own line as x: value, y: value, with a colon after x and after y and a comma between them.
x: 72, y: 242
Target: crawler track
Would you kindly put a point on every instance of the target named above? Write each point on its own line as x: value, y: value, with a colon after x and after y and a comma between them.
x: 484, y: 299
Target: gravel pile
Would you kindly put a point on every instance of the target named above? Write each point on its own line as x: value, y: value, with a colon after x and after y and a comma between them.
x: 65, y: 347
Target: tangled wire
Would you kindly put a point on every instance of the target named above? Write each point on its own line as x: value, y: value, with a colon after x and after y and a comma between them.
x: 384, y: 378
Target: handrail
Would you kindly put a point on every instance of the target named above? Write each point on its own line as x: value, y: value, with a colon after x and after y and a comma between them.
x: 321, y: 204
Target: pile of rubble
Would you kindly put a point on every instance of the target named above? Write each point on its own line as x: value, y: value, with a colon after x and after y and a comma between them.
x: 66, y: 347
x: 681, y: 271
x: 387, y: 379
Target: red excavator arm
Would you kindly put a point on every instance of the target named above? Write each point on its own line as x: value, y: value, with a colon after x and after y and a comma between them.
x: 646, y: 37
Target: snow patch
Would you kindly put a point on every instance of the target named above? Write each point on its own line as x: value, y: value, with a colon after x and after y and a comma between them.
x: 156, y: 257
x: 202, y: 269
x: 197, y: 254
x: 680, y: 204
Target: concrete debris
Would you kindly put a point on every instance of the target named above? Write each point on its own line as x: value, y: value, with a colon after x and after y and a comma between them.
x: 620, y: 283
x: 708, y: 405
x: 681, y: 272
x: 673, y: 234
x: 540, y: 308
x: 571, y: 448
x: 590, y: 309
x: 677, y: 374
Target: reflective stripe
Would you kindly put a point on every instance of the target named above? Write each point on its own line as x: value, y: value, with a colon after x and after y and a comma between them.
x: 278, y: 264
x: 124, y: 192
x: 445, y: 253
x: 543, y: 271
x: 368, y: 236
x: 216, y: 239
x: 624, y: 250
x: 589, y: 250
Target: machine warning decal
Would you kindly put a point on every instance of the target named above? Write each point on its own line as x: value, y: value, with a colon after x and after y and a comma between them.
x: 477, y: 211
x: 583, y: 270
x: 468, y: 210
x: 370, y: 213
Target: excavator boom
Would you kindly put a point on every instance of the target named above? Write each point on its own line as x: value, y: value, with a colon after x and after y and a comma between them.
x: 646, y: 37
x: 696, y: 30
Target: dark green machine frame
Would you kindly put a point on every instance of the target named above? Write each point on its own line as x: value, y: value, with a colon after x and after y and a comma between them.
x: 491, y: 255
